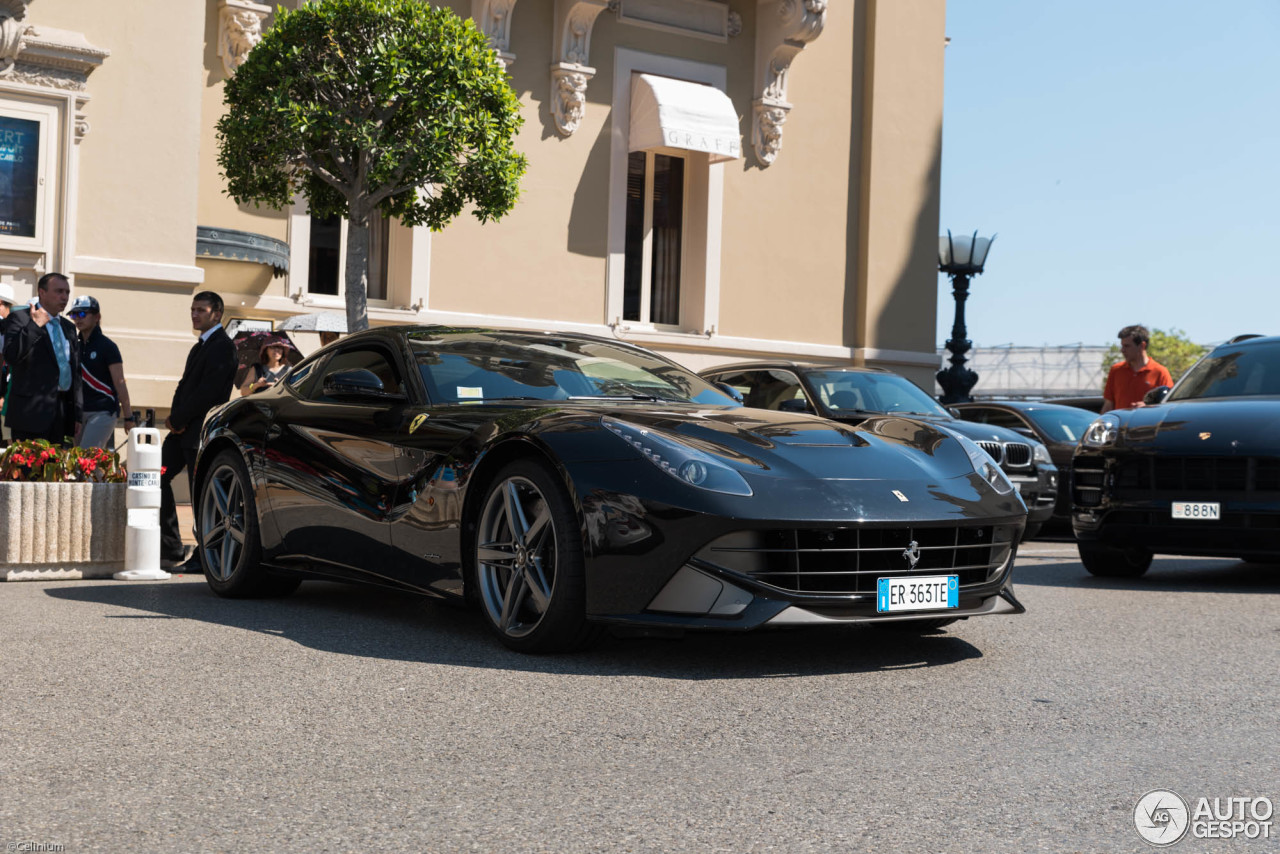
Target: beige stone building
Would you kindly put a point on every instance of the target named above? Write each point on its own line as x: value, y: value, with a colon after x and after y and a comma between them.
x: 714, y: 180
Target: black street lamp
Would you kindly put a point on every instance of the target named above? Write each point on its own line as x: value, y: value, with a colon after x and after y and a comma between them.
x: 960, y: 258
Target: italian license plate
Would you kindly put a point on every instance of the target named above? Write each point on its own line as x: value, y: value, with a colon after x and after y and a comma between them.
x: 1197, y: 510
x: 918, y: 593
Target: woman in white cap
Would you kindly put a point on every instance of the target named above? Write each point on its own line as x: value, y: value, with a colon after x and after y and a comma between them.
x: 102, y: 369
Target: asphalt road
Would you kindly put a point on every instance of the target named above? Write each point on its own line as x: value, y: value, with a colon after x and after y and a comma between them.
x: 154, y: 716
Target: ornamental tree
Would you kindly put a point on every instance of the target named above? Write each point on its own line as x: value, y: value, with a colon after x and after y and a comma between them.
x: 370, y: 107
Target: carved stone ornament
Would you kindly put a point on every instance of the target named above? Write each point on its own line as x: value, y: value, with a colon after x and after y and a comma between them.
x: 569, y: 96
x: 493, y: 18
x: 783, y: 28
x: 240, y: 26
x: 44, y: 57
x: 13, y: 32
x: 735, y: 24
x: 571, y: 72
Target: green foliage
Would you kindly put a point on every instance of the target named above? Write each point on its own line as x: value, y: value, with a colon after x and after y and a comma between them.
x: 373, y: 105
x: 1173, y: 349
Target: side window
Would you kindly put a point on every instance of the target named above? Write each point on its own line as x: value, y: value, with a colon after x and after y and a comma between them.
x: 302, y: 378
x: 776, y: 390
x: 1001, y: 418
x: 373, y: 359
x: 738, y: 381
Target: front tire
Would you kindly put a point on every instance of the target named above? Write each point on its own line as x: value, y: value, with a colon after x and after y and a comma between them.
x: 227, y: 526
x: 528, y: 570
x: 1110, y: 562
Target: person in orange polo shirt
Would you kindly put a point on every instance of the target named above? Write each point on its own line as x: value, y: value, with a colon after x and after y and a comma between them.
x: 1130, y: 380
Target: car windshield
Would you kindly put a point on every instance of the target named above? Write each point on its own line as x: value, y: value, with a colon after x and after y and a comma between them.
x: 863, y: 391
x: 1233, y: 372
x: 1062, y: 425
x: 463, y: 366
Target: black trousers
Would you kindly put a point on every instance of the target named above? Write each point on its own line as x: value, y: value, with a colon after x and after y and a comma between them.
x: 56, y: 432
x: 174, y: 458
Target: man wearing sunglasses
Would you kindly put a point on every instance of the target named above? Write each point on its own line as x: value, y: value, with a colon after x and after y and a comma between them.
x: 102, y: 370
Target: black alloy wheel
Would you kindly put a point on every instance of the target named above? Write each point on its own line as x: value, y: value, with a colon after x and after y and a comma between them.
x: 227, y: 526
x: 528, y: 571
x: 1110, y: 562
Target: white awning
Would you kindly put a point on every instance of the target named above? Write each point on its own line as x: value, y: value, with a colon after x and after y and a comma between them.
x: 678, y: 114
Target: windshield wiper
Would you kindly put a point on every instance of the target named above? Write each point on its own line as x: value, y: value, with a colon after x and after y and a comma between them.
x: 648, y: 397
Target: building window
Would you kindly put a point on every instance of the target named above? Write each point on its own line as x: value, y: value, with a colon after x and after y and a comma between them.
x: 326, y: 256
x: 655, y: 238
x: 322, y: 257
x: 379, y: 256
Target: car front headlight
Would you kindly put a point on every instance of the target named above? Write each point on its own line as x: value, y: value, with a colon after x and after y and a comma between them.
x: 682, y: 462
x: 1101, y: 433
x: 985, y: 466
x: 1040, y: 454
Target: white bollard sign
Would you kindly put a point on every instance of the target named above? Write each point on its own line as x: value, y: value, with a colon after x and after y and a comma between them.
x: 142, y: 503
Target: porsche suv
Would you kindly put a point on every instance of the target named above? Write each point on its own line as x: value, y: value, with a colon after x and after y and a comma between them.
x: 852, y: 395
x: 1197, y: 473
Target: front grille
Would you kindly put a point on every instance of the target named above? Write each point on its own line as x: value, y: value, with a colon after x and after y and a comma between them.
x: 1200, y: 475
x: 995, y: 449
x: 1087, y: 477
x: 1017, y: 454
x: 849, y: 560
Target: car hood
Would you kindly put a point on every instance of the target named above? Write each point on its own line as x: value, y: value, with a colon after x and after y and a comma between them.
x: 1233, y: 426
x: 975, y: 430
x: 780, y: 444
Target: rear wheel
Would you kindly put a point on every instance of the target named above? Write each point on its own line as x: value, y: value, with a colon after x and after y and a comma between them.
x: 227, y: 526
x: 1111, y: 562
x: 529, y: 568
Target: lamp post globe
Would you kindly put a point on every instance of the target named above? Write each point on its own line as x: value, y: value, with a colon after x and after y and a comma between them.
x: 961, y: 258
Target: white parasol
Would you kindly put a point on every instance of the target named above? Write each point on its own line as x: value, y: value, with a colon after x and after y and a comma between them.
x: 320, y: 321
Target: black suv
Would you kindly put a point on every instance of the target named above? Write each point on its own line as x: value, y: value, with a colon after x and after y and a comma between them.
x: 852, y: 395
x: 1197, y: 473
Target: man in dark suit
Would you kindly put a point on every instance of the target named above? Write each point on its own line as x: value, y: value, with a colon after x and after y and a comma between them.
x: 42, y: 349
x: 206, y: 382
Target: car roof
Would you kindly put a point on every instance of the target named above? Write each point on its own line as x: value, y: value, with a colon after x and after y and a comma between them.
x: 1020, y: 405
x: 1250, y: 340
x: 792, y: 365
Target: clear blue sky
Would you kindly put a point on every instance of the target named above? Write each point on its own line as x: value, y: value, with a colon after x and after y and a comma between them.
x: 1128, y: 155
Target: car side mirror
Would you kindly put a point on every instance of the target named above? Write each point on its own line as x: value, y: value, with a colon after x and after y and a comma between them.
x: 730, y: 390
x: 1156, y: 395
x: 795, y: 404
x: 358, y: 383
x: 955, y: 413
x: 1025, y: 431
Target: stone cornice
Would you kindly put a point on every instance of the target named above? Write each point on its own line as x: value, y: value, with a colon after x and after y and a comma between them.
x: 783, y: 28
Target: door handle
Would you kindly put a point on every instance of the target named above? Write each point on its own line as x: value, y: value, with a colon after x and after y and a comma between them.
x: 273, y: 431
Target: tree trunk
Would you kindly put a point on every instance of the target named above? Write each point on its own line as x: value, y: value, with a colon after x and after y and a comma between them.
x: 357, y: 273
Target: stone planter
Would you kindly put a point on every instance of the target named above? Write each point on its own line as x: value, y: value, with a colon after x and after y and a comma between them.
x: 54, y: 531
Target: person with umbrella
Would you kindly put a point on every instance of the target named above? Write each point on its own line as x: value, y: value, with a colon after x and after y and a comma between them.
x: 270, y: 367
